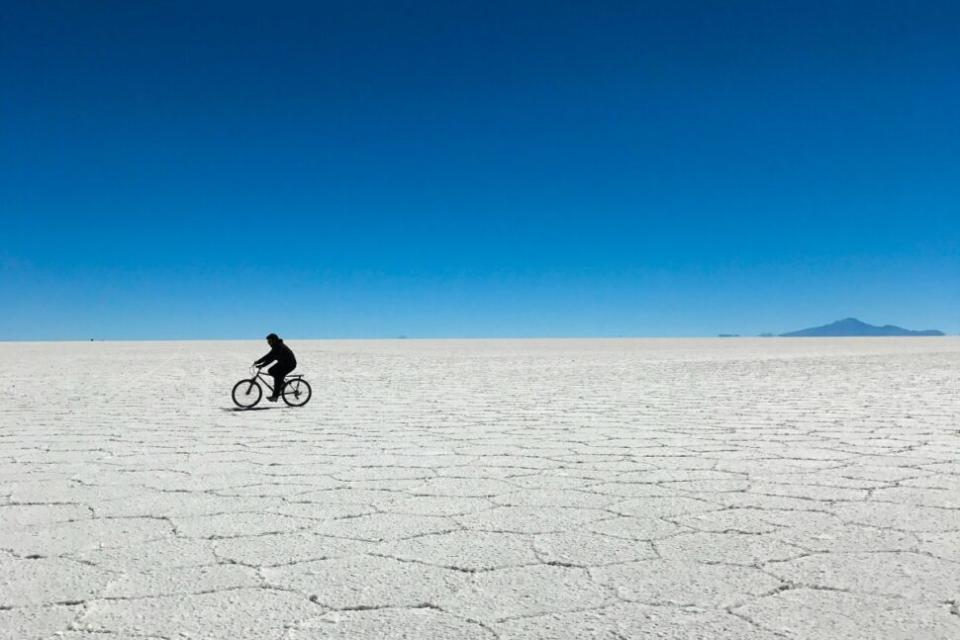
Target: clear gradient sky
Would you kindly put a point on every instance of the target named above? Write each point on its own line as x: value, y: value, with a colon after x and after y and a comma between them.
x: 358, y: 169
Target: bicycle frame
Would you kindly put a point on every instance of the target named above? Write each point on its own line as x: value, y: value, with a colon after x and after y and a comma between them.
x: 264, y: 378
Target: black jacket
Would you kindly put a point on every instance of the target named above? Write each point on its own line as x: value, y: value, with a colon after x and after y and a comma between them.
x: 282, y: 354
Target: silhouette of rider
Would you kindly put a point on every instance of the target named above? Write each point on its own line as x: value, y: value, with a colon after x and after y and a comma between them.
x: 285, y: 363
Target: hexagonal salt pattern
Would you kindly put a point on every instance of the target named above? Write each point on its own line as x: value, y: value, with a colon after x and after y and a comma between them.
x: 484, y: 490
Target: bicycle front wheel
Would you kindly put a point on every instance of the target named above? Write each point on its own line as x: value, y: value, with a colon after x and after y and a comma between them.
x: 297, y: 392
x: 247, y: 393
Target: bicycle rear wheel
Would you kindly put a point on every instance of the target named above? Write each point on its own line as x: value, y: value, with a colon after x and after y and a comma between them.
x: 247, y: 393
x: 296, y: 392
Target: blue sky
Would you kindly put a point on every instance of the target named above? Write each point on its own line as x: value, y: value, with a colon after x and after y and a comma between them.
x: 356, y: 169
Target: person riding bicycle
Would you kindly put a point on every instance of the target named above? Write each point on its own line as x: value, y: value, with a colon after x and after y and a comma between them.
x: 285, y: 363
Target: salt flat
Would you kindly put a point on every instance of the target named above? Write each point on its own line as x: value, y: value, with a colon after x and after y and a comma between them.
x: 727, y: 488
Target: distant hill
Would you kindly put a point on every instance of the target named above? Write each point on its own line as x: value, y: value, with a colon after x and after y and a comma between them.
x: 853, y: 327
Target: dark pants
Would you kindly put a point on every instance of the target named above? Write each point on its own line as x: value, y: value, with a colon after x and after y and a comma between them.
x: 279, y: 373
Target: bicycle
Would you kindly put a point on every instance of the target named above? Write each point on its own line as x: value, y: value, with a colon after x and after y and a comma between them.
x: 296, y: 391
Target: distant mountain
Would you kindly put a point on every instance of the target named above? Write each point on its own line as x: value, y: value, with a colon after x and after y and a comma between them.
x: 853, y: 327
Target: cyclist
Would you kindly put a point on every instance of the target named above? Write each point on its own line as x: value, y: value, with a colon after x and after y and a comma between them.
x: 285, y: 363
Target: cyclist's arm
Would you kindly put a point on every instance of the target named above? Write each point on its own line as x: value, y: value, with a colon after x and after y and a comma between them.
x: 265, y: 359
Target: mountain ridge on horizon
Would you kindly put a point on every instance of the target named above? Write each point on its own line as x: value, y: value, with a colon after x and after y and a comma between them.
x: 852, y: 327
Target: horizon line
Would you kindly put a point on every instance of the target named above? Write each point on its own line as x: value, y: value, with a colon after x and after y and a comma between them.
x: 504, y: 338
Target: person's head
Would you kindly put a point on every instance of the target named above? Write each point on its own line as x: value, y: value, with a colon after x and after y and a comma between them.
x: 273, y: 339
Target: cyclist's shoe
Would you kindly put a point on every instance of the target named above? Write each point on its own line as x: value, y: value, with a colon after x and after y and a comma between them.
x: 273, y: 398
